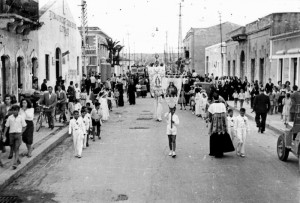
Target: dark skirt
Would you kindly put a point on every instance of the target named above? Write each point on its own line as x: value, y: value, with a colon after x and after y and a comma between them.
x: 27, y: 136
x: 219, y: 144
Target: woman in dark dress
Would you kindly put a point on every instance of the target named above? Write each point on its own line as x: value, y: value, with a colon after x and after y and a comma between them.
x: 131, y: 92
x: 4, y: 114
x: 220, y: 141
x: 119, y: 86
x: 28, y: 113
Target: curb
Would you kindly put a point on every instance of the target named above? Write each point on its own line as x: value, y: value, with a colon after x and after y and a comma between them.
x: 10, y: 175
x: 276, y: 130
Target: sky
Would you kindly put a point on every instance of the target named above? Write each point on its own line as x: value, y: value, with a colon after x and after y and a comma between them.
x: 134, y: 22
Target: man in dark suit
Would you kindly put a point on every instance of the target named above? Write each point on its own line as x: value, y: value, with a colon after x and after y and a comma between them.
x: 61, y: 103
x: 269, y: 86
x: 295, y: 97
x: 261, y: 106
x: 49, y: 99
x: 44, y: 86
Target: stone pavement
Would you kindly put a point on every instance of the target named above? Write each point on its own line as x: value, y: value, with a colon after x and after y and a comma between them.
x: 43, y: 141
x: 273, y: 122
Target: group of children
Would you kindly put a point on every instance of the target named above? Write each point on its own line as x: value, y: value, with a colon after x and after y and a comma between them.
x: 86, y: 122
x: 241, y: 97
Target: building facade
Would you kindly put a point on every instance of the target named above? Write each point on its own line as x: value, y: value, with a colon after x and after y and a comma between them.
x: 197, y: 39
x: 215, y: 59
x: 60, y: 44
x: 249, y: 48
x: 285, y: 49
x: 18, y: 45
x: 94, y: 51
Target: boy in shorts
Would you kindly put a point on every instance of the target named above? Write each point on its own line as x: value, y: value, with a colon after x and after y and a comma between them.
x: 96, y: 120
x: 17, y: 126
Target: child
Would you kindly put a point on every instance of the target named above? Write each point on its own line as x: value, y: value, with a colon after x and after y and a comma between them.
x: 83, y: 97
x: 88, y: 124
x: 241, y: 127
x: 287, y: 103
x: 181, y: 100
x: 77, y: 106
x: 272, y: 101
x: 192, y: 99
x: 203, y: 105
x: 280, y: 103
x: 231, y: 121
x: 96, y: 115
x: 138, y: 90
x: 110, y: 97
x: 247, y: 93
x: 77, y: 129
x: 241, y: 98
x: 116, y: 95
x: 17, y: 126
x: 276, y: 104
x: 235, y: 98
x: 172, y: 121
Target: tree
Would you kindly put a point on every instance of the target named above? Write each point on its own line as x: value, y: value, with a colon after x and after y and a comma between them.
x: 114, y: 50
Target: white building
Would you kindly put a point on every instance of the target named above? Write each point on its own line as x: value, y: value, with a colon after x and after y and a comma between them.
x: 60, y: 44
x: 214, y: 61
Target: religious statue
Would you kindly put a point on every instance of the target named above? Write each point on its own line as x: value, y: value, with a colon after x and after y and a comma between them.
x: 171, y: 90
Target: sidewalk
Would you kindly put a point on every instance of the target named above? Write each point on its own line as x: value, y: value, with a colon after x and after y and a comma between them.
x: 273, y: 121
x: 43, y: 141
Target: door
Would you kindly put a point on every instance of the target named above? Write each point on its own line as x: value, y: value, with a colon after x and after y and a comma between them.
x: 228, y: 73
x: 58, y: 63
x: 252, y: 70
x: 280, y: 70
x: 233, y: 67
x: 261, y: 70
x: 294, y: 71
x: 21, y: 71
x: 242, y: 65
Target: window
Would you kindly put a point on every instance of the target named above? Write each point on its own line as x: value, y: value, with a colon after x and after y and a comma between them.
x: 47, y: 66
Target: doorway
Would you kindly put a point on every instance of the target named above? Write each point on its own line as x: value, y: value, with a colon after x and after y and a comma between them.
x: 4, y: 74
x: 207, y: 64
x: 261, y: 70
x: 58, y: 64
x: 242, y: 65
x: 294, y: 71
x: 280, y: 69
x: 233, y: 67
x: 252, y: 70
x: 34, y: 62
x: 228, y: 68
x: 20, y: 71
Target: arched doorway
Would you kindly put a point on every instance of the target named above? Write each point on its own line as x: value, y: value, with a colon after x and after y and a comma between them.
x: 34, y: 64
x: 21, y: 71
x: 5, y: 62
x: 58, y: 64
x: 242, y: 65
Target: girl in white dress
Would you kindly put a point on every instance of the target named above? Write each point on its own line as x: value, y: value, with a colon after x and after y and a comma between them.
x: 203, y: 105
x: 104, y: 106
x: 158, y: 108
x: 198, y: 98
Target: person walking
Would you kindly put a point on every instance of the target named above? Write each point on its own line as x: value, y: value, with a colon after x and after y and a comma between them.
x: 93, y: 82
x: 27, y: 112
x: 96, y: 116
x: 261, y: 107
x: 172, y: 123
x: 241, y: 127
x: 77, y: 130
x: 61, y: 103
x: 287, y: 104
x: 295, y: 97
x: 49, y: 99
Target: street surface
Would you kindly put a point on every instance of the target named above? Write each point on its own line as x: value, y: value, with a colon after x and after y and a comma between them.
x: 131, y: 163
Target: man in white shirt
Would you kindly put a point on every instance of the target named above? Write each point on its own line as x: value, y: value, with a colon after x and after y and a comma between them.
x: 172, y: 122
x: 242, y: 128
x: 77, y: 129
x: 77, y: 92
x: 93, y: 82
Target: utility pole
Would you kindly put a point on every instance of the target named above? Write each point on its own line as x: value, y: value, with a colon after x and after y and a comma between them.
x: 221, y: 46
x: 128, y: 49
x: 84, y: 31
x: 180, y: 36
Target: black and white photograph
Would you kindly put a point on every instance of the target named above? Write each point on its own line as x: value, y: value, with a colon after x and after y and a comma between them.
x: 167, y: 101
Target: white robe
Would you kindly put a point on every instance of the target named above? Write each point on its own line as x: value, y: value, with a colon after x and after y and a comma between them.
x: 77, y: 128
x: 203, y: 103
x: 158, y: 108
x: 104, y: 108
x: 198, y: 104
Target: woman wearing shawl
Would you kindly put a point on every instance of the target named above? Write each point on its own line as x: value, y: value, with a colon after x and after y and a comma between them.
x: 220, y: 141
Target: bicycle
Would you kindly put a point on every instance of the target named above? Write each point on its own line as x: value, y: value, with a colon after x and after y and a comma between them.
x: 41, y: 117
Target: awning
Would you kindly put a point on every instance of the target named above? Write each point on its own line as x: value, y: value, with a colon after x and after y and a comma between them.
x: 293, y: 51
x: 281, y: 52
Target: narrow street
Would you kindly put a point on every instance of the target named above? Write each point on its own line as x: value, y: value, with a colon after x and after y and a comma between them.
x: 131, y: 163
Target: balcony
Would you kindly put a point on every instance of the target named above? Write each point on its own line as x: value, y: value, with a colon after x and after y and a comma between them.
x: 238, y: 34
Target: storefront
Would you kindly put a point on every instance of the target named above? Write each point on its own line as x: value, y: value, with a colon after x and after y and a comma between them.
x: 60, y: 44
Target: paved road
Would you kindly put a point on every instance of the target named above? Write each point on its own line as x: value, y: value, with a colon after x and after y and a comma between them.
x: 131, y: 162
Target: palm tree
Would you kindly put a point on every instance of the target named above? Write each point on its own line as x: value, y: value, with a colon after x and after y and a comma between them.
x: 114, y: 48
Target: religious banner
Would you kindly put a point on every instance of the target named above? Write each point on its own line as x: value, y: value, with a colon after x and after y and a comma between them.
x: 156, y: 75
x: 171, y: 87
